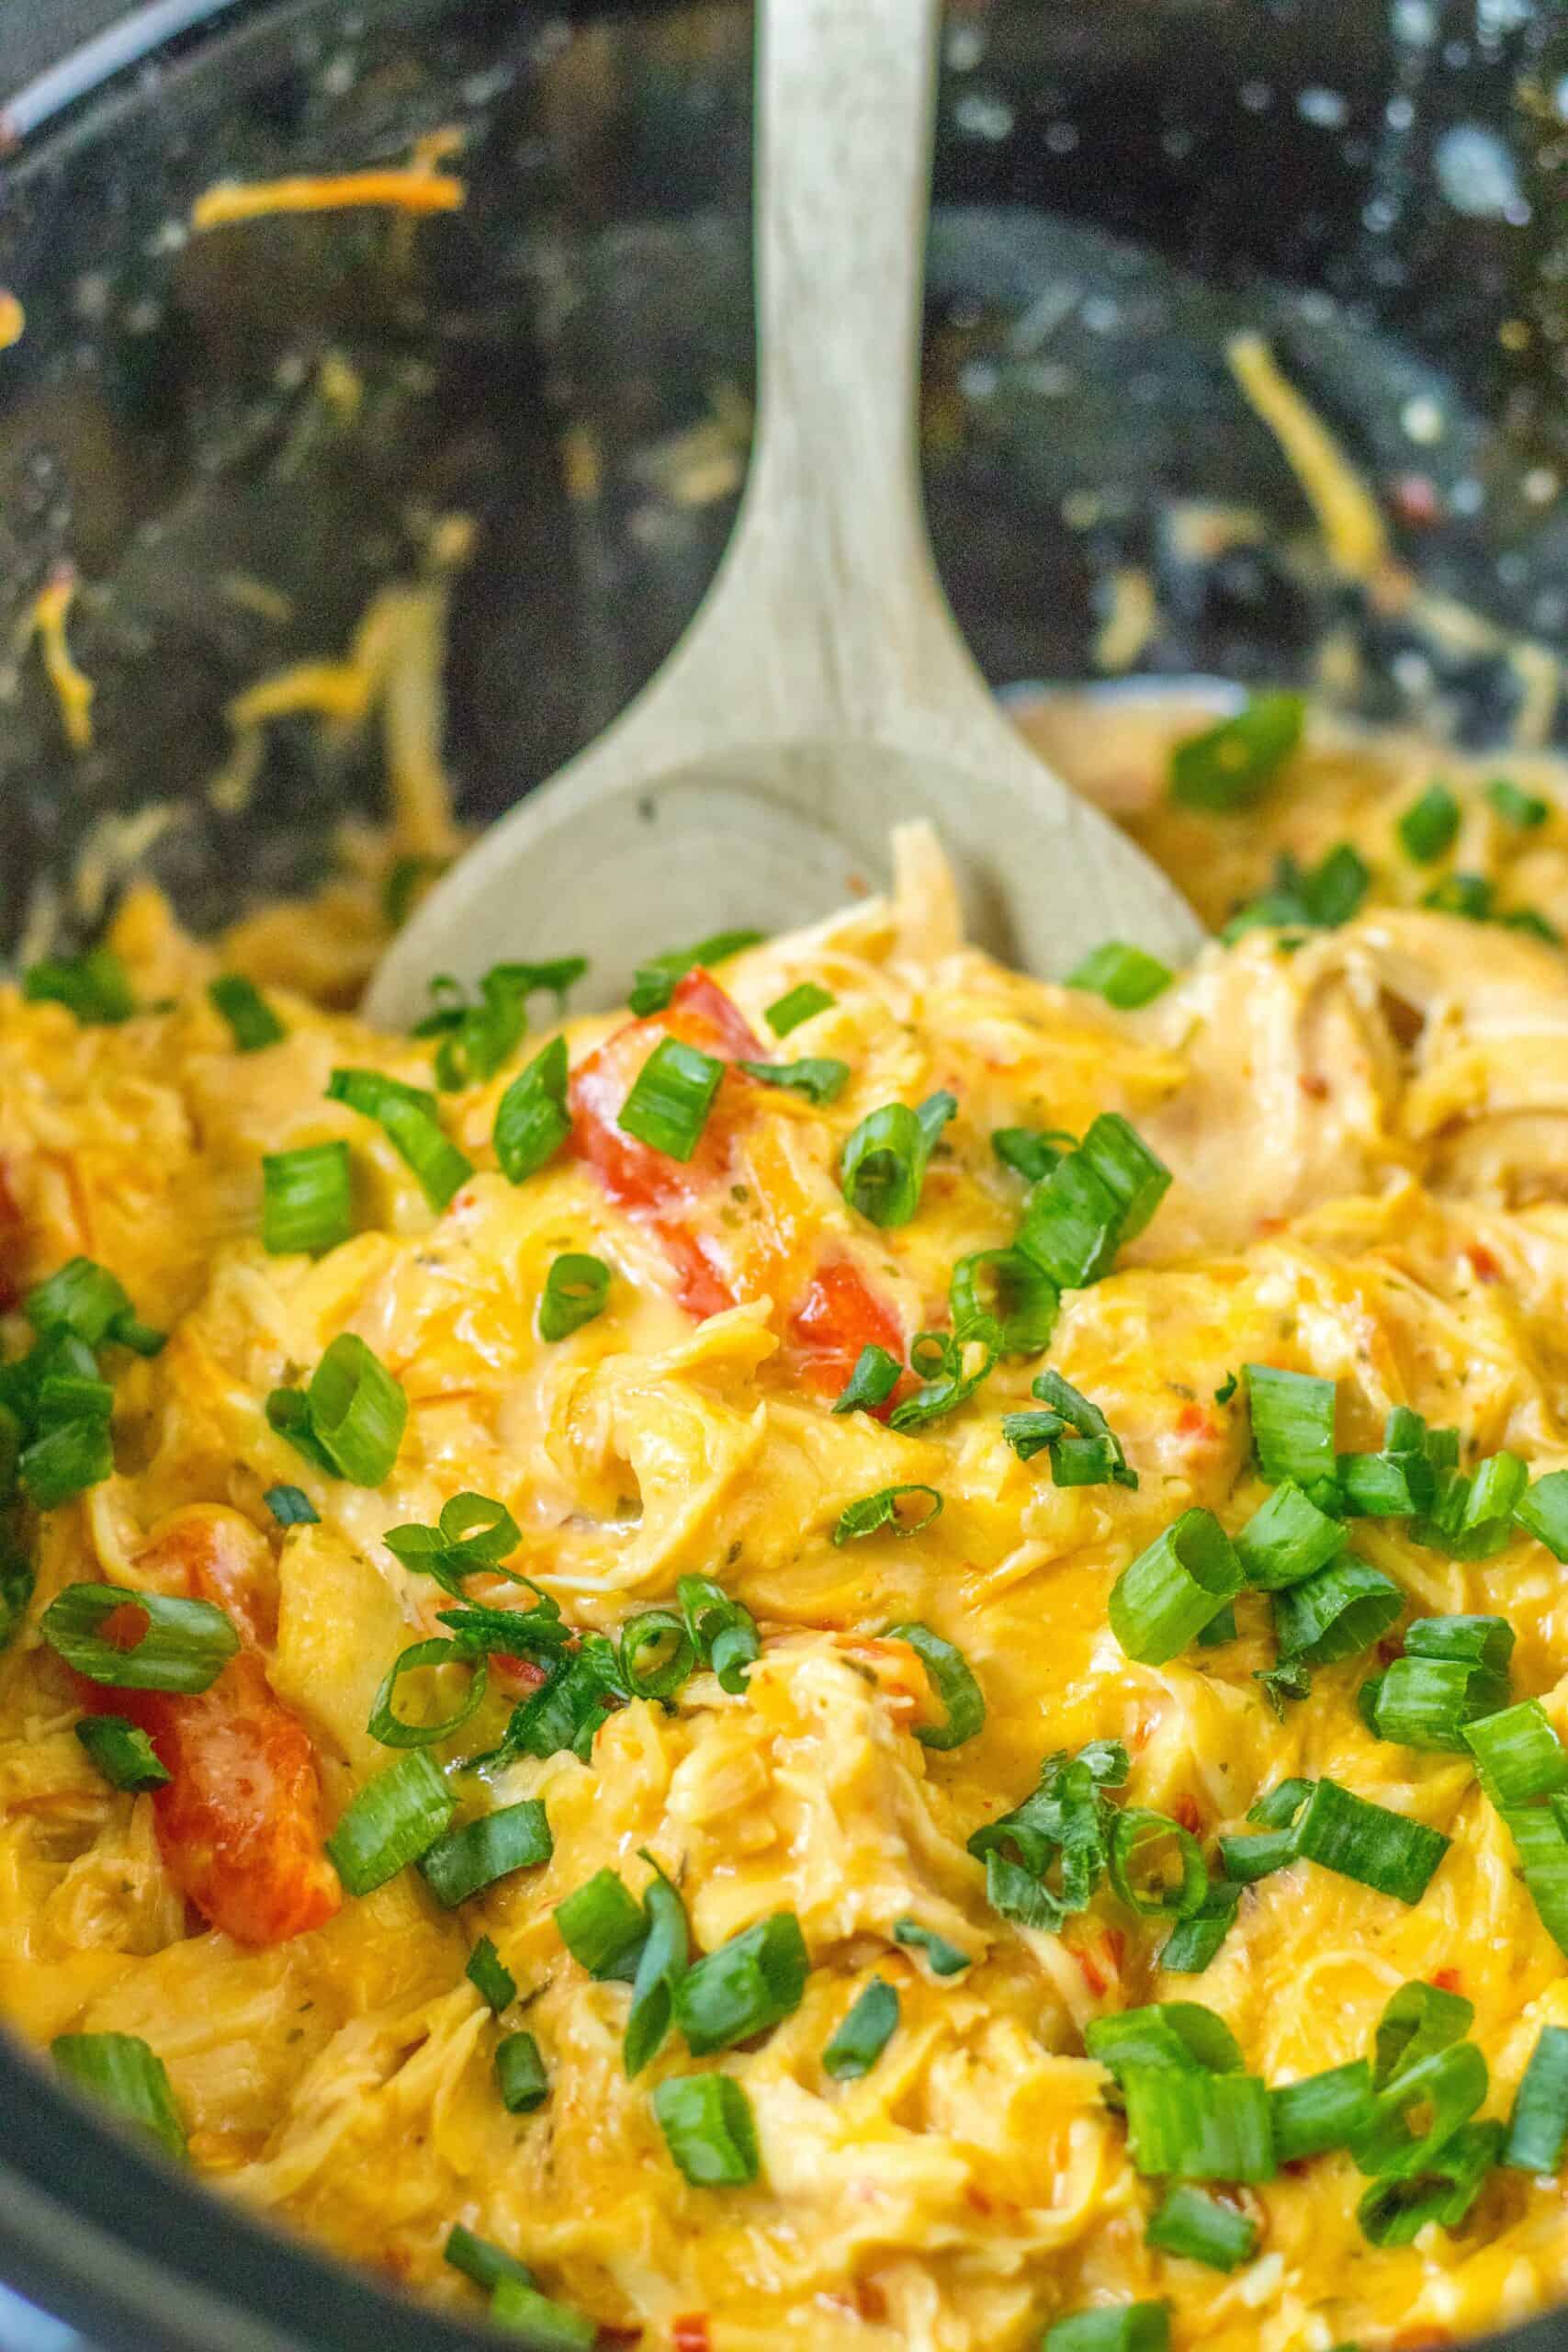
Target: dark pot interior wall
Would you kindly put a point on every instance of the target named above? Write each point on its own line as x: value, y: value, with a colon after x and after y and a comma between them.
x: 1119, y: 190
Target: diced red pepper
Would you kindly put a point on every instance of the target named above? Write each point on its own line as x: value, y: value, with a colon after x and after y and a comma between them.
x: 837, y: 1318
x: 668, y: 1194
x: 238, y: 1821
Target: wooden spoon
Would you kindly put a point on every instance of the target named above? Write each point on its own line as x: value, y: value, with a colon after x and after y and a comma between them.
x: 822, y: 693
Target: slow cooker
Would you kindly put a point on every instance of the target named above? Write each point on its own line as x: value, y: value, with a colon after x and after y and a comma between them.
x: 230, y: 442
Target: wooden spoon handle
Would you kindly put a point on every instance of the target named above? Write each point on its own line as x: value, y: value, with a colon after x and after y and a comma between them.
x: 826, y: 618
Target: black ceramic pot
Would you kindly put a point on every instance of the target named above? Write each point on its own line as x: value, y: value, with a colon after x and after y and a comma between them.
x: 1378, y: 187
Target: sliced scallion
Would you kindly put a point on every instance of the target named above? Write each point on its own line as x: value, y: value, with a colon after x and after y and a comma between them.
x: 744, y: 1987
x: 872, y: 1381
x: 601, y: 1925
x: 95, y: 987
x: 461, y: 1862
x: 122, y: 2072
x: 408, y: 1117
x: 1537, y: 2125
x: 882, y: 1169
x: 1228, y: 766
x: 177, y: 1644
x: 1293, y: 1424
x: 1336, y: 1613
x: 1195, y: 1941
x: 577, y: 1288
x: 532, y: 1120
x: 655, y: 982
x: 1006, y: 1291
x: 396, y: 1731
x: 885, y: 1509
x: 670, y: 1098
x: 394, y: 1819
x: 520, y: 2075
x: 1518, y: 1756
x: 1124, y: 975
x: 944, y: 1959
x: 251, y: 1018
x: 708, y: 2128
x: 963, y: 1701
x: 1321, y: 2111
x: 1171, y: 1590
x: 821, y: 1079
x: 122, y: 1752
x: 1287, y: 1539
x: 863, y: 2033
x: 489, y: 1975
x: 307, y: 1199
x: 797, y: 1004
x: 1185, y: 2123
x: 1202, y: 2228
x: 1428, y: 826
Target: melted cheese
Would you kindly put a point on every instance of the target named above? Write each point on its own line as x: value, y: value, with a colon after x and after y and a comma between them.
x: 1368, y: 1145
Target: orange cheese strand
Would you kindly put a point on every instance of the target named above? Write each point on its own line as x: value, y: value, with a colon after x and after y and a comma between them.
x: 402, y: 189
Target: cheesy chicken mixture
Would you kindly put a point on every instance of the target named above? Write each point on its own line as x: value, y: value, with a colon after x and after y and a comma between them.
x: 871, y: 1657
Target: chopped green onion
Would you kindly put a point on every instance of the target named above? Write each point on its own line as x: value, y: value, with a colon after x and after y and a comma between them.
x: 1293, y: 1424
x: 1085, y: 1451
x: 1228, y: 766
x: 1336, y: 1613
x: 655, y: 981
x: 1474, y: 1641
x: 549, y: 2326
x: 1368, y: 1842
x: 1156, y: 1867
x: 820, y: 1081
x: 394, y: 1820
x: 1321, y: 2111
x: 1171, y: 1590
x: 476, y: 1038
x: 65, y: 1461
x: 485, y: 2263
x: 122, y: 1752
x: 1191, y: 2223
x: 1137, y: 1178
x: 463, y: 1861
x: 18, y: 1579
x: 1541, y: 1836
x: 1518, y: 1756
x: 408, y: 878
x: 181, y: 1646
x: 357, y: 1411
x: 1187, y: 2124
x: 520, y: 2073
x: 120, y: 2071
x: 247, y: 1012
x: 1395, y: 2212
x: 1111, y: 2327
x: 1072, y: 1224
x: 1287, y: 1539
x: 1537, y: 2125
x: 1469, y: 895
x: 474, y: 1534
x: 964, y: 1702
x: 290, y: 1506
x: 1246, y: 1859
x: 394, y: 1730
x: 95, y: 987
x: 1428, y: 826
x: 723, y: 1629
x: 601, y: 1925
x: 882, y: 1168
x: 1005, y: 1290
x: 1031, y: 1152
x: 863, y: 2033
x: 1428, y: 1702
x: 307, y: 1199
x: 1543, y: 1513
x: 953, y: 1366
x: 1533, y: 923
x: 1417, y: 2021
x: 1195, y: 1941
x: 532, y: 1119
x: 1423, y: 2105
x: 1126, y: 976
x: 406, y: 1116
x: 708, y: 2129
x: 1336, y: 889
x: 881, y: 1509
x: 658, y: 1654
x: 870, y: 1383
x: 1180, y: 2034
x: 747, y: 1986
x: 1286, y: 1680
x: 577, y: 1288
x: 1220, y: 1629
x: 797, y: 1004
x: 941, y: 1958
x: 489, y: 1975
x: 670, y: 1098
x: 82, y: 1297
x: 1515, y: 806
x: 661, y: 1965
